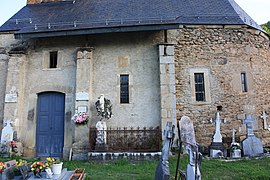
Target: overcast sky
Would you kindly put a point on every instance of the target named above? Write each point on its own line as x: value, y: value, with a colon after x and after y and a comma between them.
x: 259, y: 10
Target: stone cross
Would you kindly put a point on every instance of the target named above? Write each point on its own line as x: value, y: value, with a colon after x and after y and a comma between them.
x: 233, y: 136
x: 264, y: 116
x: 162, y: 170
x: 217, y: 136
x: 249, y: 121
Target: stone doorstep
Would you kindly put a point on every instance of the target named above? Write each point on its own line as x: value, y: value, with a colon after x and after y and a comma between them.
x: 124, y: 155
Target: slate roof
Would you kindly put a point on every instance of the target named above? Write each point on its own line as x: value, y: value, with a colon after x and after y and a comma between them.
x: 99, y: 16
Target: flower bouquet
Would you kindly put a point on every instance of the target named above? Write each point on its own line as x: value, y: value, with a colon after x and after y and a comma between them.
x: 2, y: 167
x: 80, y: 118
x: 49, y: 162
x: 37, y: 167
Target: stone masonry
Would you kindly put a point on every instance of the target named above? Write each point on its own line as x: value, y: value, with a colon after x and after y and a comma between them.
x: 225, y: 52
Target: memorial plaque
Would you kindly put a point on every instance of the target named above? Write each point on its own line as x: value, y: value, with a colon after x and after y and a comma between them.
x: 11, y: 98
x: 24, y: 171
x: 82, y: 96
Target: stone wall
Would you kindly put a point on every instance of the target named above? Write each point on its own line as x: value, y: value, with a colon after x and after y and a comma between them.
x: 223, y: 52
x: 3, y: 76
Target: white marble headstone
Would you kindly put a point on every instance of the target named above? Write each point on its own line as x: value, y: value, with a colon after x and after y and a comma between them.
x: 7, y: 133
x: 187, y: 131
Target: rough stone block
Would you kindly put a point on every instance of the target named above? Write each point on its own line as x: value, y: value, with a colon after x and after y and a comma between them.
x: 241, y: 116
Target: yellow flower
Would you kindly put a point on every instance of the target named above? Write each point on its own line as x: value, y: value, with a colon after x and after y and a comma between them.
x: 32, y: 169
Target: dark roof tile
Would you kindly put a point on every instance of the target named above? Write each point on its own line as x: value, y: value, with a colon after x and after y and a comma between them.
x: 87, y: 14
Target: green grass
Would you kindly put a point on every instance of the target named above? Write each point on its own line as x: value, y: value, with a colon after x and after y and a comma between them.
x: 144, y: 170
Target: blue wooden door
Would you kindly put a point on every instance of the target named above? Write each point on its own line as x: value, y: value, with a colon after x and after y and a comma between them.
x: 50, y: 124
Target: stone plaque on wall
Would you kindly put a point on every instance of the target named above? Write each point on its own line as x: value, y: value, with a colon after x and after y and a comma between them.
x: 82, y: 96
x: 11, y: 98
x: 82, y: 109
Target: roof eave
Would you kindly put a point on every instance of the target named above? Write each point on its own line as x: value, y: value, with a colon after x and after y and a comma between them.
x: 19, y: 35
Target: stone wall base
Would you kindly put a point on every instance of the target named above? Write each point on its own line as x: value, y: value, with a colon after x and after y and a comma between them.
x: 138, y: 156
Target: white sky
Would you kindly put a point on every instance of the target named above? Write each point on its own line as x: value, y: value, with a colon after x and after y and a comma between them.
x: 259, y: 10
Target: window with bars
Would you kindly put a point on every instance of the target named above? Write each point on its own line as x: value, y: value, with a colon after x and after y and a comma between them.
x: 53, y: 59
x: 199, y: 86
x: 244, y: 82
x: 124, y: 88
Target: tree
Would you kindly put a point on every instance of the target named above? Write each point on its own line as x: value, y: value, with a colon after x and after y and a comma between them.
x: 266, y: 27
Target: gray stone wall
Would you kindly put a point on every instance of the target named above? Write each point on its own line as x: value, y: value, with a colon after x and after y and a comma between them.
x: 3, y: 76
x: 223, y: 52
x: 135, y: 54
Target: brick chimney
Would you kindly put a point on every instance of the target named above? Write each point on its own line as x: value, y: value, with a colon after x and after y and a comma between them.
x: 41, y: 1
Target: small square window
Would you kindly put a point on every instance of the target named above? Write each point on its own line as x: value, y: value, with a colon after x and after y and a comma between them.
x: 53, y: 59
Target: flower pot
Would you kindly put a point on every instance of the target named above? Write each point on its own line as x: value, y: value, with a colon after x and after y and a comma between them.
x: 57, y: 168
x: 236, y: 153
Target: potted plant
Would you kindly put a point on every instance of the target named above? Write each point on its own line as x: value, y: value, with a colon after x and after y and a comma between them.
x: 80, y: 118
x: 235, y: 150
x: 57, y: 166
x: 37, y: 167
x: 2, y: 167
x: 19, y: 163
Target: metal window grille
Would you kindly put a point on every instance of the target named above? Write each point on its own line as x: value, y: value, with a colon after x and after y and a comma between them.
x: 53, y: 59
x: 124, y: 88
x: 199, y: 86
x: 244, y: 82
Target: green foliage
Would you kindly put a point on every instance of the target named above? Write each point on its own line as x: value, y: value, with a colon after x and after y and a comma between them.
x: 266, y: 27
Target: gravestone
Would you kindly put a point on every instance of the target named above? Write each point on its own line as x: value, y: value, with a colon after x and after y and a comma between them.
x: 162, y: 170
x: 187, y: 132
x: 217, y: 148
x: 252, y: 146
x: 235, y: 152
x: 188, y: 139
x: 7, y: 133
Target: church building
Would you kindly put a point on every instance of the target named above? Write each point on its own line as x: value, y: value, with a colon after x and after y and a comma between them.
x: 154, y: 60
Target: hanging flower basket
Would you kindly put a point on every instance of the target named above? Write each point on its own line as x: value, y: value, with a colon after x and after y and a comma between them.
x: 80, y: 118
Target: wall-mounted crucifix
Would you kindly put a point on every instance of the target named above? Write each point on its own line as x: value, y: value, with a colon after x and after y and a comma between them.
x: 264, y: 116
